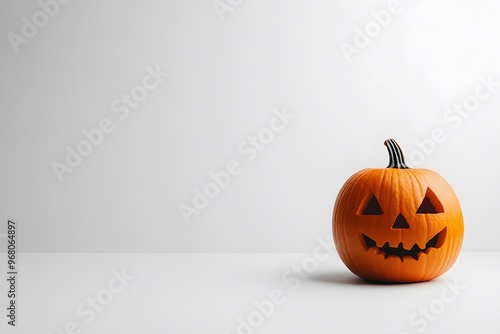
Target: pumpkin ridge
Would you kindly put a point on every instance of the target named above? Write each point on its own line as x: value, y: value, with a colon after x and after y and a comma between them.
x: 345, y: 193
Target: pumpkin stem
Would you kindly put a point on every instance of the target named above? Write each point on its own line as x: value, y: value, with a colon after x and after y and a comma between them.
x: 396, y: 157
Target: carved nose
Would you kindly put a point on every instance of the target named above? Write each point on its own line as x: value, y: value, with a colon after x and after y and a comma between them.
x: 400, y: 222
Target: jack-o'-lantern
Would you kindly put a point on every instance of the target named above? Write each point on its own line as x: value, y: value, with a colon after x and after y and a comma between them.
x: 397, y: 224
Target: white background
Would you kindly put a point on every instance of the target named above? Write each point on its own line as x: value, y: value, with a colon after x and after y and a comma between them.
x: 225, y: 79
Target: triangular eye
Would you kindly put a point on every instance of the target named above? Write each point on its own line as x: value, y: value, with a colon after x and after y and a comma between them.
x: 372, y: 207
x: 430, y: 203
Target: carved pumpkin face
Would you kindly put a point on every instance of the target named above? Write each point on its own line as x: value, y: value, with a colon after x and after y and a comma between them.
x: 397, y: 224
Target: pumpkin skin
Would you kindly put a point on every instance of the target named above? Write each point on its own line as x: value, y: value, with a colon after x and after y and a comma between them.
x: 412, y: 231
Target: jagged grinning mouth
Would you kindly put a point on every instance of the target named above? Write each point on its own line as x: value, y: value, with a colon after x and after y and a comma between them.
x: 435, y: 242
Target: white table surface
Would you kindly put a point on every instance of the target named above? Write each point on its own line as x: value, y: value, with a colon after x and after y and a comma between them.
x: 206, y: 293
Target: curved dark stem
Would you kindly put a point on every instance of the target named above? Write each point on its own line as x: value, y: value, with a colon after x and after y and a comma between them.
x: 396, y: 157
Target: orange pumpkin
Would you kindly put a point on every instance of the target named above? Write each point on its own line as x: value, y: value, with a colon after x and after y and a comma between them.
x: 397, y: 224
